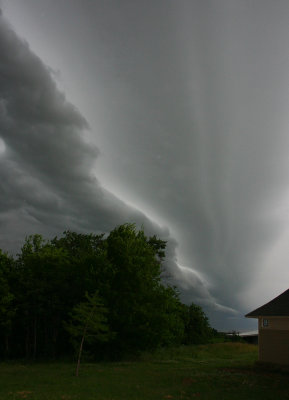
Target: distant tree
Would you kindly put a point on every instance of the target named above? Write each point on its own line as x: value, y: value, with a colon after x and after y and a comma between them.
x: 197, y: 327
x: 88, y: 262
x: 142, y: 310
x: 52, y: 277
x: 88, y: 323
x: 44, y: 277
x: 122, y: 276
x: 7, y: 306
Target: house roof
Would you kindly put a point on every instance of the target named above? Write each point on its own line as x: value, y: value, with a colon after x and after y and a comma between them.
x: 276, y: 307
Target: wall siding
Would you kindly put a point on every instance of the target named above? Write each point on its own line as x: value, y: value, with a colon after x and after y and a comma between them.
x: 274, y: 346
x: 275, y: 323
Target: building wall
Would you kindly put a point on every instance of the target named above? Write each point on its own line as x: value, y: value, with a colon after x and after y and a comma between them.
x: 274, y: 346
x: 274, y: 323
x: 274, y: 340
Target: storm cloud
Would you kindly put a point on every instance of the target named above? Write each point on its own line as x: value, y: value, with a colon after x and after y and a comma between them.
x: 187, y: 134
x: 46, y: 158
x: 47, y: 179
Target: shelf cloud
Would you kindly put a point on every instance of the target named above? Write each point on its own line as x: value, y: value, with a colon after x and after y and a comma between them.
x: 180, y: 126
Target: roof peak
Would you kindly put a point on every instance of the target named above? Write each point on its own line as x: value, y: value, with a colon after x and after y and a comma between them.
x: 279, y: 306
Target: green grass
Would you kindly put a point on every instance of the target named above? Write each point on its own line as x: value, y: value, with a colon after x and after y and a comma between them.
x: 216, y: 371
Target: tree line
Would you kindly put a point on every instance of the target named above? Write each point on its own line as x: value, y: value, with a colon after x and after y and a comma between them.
x: 106, y: 289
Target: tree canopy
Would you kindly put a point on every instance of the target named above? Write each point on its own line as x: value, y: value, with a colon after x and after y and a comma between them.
x: 47, y: 290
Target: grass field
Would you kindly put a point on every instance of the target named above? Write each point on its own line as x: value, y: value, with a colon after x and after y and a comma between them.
x: 216, y: 371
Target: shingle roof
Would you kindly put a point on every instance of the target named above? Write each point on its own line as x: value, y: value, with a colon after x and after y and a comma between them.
x: 276, y: 307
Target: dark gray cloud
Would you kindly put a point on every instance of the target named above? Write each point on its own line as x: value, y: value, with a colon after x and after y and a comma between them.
x: 46, y: 162
x: 187, y: 102
x: 47, y: 181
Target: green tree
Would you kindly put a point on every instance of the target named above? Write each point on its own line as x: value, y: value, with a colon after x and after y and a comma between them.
x: 7, y: 306
x: 88, y: 262
x: 88, y: 323
x: 49, y: 279
x: 197, y: 327
x: 44, y: 278
x: 52, y: 277
x: 141, y: 308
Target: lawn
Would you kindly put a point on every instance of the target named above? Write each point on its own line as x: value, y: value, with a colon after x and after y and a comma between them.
x: 216, y: 371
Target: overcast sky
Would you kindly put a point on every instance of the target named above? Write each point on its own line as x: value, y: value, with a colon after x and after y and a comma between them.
x: 170, y: 114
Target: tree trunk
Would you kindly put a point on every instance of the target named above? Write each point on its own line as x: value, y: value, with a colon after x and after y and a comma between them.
x: 7, y: 345
x: 82, y: 341
x: 27, y: 342
x: 35, y: 339
x: 80, y: 352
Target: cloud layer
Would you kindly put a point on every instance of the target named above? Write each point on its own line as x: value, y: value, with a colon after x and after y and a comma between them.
x: 46, y: 158
x: 187, y: 103
x: 47, y: 174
